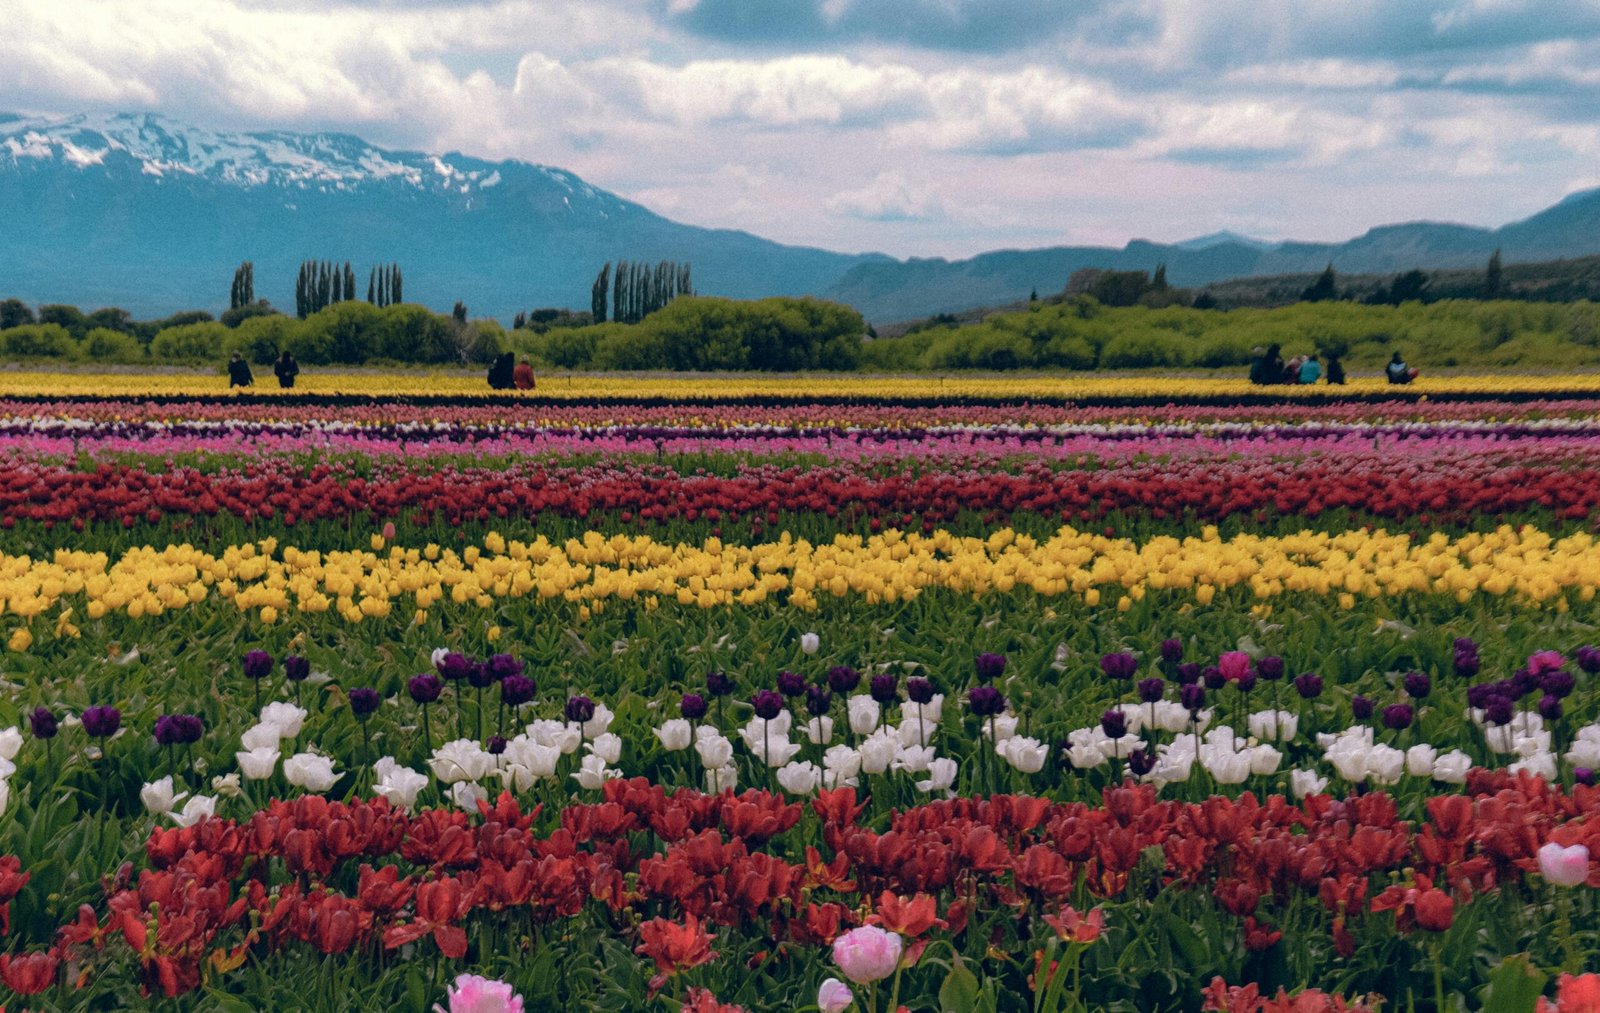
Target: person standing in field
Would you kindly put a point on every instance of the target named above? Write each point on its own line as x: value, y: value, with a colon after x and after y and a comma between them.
x: 522, y: 376
x: 239, y: 374
x: 1335, y: 370
x: 1310, y: 370
x: 286, y: 369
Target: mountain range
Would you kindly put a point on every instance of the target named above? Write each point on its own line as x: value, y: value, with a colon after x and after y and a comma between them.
x: 153, y: 215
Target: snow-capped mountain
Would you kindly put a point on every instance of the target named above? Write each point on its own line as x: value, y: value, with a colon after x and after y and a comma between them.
x: 153, y: 215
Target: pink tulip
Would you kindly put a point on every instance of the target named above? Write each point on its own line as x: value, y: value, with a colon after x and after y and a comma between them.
x: 1234, y: 665
x: 474, y: 994
x: 867, y: 954
x: 1564, y: 866
x: 388, y: 530
x: 834, y: 996
x: 1545, y: 661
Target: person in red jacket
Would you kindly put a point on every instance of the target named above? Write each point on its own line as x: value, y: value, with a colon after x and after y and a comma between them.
x: 522, y: 376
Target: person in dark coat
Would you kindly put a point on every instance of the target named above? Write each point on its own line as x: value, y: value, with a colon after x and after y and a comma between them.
x: 239, y: 372
x: 1335, y: 371
x: 287, y: 369
x: 500, y: 374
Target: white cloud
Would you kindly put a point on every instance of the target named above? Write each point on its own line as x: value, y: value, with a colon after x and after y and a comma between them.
x: 890, y: 197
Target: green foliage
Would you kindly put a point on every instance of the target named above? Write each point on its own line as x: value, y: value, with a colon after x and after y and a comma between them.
x: 191, y: 342
x: 49, y: 340
x: 239, y: 314
x: 69, y: 317
x: 15, y: 313
x: 106, y: 345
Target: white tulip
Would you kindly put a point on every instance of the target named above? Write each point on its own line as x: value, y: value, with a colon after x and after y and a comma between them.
x: 1024, y: 753
x: 877, y: 752
x: 597, y: 725
x: 865, y: 714
x: 810, y: 643
x: 820, y: 730
x: 913, y: 759
x: 675, y: 734
x: 1264, y: 759
x: 158, y: 796
x: 401, y: 786
x: 941, y: 775
x: 10, y: 743
x: 1275, y: 725
x: 1452, y: 767
x: 1306, y: 782
x: 1385, y: 764
x: 1000, y: 727
x: 593, y: 773
x: 258, y: 764
x: 715, y: 751
x: 467, y: 794
x: 1420, y: 759
x: 289, y: 718
x: 842, y: 761
x: 310, y: 771
x: 799, y: 778
x: 194, y: 810
x: 608, y: 747
x: 1540, y: 764
x: 721, y: 779
x: 261, y: 737
x: 227, y: 785
x: 1225, y: 765
x: 461, y: 760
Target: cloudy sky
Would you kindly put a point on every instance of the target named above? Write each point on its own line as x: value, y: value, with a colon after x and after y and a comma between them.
x: 915, y: 127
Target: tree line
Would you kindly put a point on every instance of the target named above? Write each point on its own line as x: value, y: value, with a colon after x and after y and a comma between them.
x: 636, y: 289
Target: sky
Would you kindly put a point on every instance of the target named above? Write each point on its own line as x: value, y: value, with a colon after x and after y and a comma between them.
x: 911, y: 127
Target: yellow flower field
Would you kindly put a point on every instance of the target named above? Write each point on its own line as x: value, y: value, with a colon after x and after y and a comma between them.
x: 271, y: 580
x: 681, y: 387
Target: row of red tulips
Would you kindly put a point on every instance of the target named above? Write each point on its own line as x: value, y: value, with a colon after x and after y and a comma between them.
x: 667, y: 869
x: 1469, y: 488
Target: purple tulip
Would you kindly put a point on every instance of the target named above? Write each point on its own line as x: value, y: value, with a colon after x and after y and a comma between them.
x: 768, y: 704
x: 1550, y: 707
x: 1309, y: 686
x: 1499, y: 711
x: 919, y: 690
x: 1270, y: 668
x: 516, y: 690
x: 1114, y: 723
x: 579, y: 709
x: 1172, y: 650
x: 884, y: 688
x: 791, y: 683
x: 1467, y: 665
x: 1140, y: 763
x: 503, y: 666
x: 42, y: 722
x: 424, y: 688
x: 1246, y: 682
x: 842, y: 679
x: 1583, y: 775
x: 718, y: 683
x: 480, y: 676
x: 363, y: 701
x: 990, y: 666
x: 1398, y: 716
x: 1559, y: 683
x: 496, y: 745
x: 1213, y: 678
x: 693, y: 706
x: 102, y: 722
x: 1193, y: 697
x: 1188, y: 673
x: 1120, y: 665
x: 986, y: 701
x: 1361, y: 707
x: 453, y: 666
x: 178, y: 729
x: 1465, y: 645
x: 1588, y: 659
x: 818, y: 700
x: 296, y: 668
x: 257, y: 664
x: 1416, y: 685
x: 1478, y: 695
x: 1151, y: 690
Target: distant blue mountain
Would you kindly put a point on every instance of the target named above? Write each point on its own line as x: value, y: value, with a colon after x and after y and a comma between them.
x: 152, y: 215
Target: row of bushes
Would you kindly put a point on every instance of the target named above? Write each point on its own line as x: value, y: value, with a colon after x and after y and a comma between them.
x: 346, y: 333
x: 781, y: 334
x: 1081, y: 334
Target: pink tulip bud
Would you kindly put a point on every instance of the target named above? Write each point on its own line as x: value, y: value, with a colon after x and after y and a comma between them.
x: 474, y: 994
x: 1234, y: 665
x: 867, y: 954
x: 834, y: 996
x: 1564, y: 866
x: 388, y: 530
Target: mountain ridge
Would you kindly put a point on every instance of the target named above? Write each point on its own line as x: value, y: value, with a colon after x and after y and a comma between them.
x: 145, y: 212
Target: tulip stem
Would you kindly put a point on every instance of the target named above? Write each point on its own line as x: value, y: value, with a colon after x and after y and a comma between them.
x: 894, y: 992
x: 1438, y: 977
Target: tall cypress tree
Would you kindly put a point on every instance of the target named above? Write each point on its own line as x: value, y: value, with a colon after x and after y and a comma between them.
x: 597, y: 294
x: 1493, y: 277
x: 349, y: 281
x: 396, y: 288
x: 372, y: 287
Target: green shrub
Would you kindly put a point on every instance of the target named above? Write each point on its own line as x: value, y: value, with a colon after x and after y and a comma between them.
x: 192, y: 342
x: 38, y: 341
x: 106, y: 345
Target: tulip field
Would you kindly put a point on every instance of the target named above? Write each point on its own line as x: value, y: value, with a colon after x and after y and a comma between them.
x: 1020, y: 694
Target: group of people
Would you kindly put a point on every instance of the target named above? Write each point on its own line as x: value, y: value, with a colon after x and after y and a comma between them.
x: 1268, y: 367
x: 239, y: 375
x: 508, y: 374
